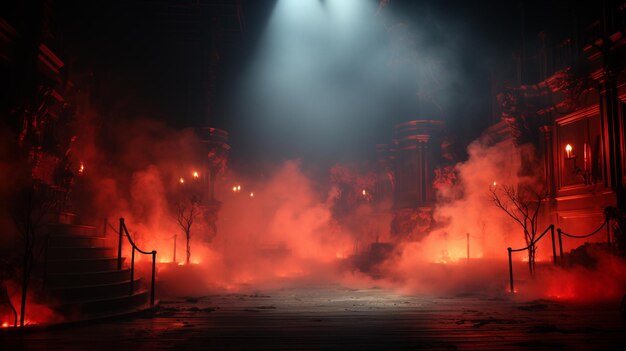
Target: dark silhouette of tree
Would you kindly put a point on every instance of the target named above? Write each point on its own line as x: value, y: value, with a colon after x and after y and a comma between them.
x: 185, y: 215
x: 522, y: 204
x: 31, y: 210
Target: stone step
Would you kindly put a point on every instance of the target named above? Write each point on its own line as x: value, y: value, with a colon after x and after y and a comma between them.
x: 80, y: 252
x: 79, y: 293
x: 71, y: 229
x: 82, y: 278
x: 70, y: 279
x: 82, y: 265
x: 76, y: 241
x: 68, y: 218
x: 96, y: 308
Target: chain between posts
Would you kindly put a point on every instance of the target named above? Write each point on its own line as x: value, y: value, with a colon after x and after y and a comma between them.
x: 562, y: 233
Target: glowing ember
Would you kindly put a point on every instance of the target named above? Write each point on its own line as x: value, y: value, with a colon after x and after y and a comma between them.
x: 568, y: 150
x: 196, y: 175
x: 182, y: 180
x: 81, y: 169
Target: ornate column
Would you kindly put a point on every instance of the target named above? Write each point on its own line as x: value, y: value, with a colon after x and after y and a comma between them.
x: 416, y: 143
x: 425, y: 169
x: 548, y: 152
x: 417, y: 151
x: 216, y: 150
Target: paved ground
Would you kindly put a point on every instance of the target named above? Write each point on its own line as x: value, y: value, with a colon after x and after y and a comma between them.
x: 340, y: 319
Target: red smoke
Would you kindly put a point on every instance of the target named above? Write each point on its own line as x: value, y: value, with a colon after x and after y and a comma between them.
x: 288, y: 229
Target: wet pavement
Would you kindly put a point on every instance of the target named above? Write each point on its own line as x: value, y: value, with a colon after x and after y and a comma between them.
x: 333, y: 318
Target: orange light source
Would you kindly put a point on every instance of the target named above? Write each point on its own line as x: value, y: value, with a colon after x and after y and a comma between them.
x: 235, y: 188
x: 81, y: 169
x: 238, y: 187
x: 494, y: 183
x: 364, y: 192
x: 568, y: 150
x: 251, y: 194
x: 181, y: 180
x: 195, y: 174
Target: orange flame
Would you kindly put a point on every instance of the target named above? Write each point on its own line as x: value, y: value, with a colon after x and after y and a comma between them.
x: 181, y: 180
x: 81, y: 169
x: 195, y: 174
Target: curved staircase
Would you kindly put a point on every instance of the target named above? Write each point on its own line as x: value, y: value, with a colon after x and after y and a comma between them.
x: 83, y: 279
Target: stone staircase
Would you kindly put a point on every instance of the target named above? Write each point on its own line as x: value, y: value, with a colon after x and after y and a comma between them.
x: 82, y: 278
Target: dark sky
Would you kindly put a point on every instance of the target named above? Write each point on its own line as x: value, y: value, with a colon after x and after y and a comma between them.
x: 157, y: 59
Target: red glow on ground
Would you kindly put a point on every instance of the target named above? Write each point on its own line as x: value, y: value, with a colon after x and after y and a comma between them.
x: 36, y: 312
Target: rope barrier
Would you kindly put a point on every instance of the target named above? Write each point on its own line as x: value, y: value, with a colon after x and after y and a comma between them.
x: 584, y: 236
x: 608, y: 235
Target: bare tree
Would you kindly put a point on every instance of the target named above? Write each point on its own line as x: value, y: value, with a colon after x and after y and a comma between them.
x: 32, y: 208
x: 6, y: 273
x: 186, y: 213
x: 522, y: 204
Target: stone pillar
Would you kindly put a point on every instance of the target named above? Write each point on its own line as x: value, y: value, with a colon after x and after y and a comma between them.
x: 613, y: 138
x: 416, y: 152
x: 216, y: 150
x: 548, y: 152
x: 426, y: 169
x: 386, y: 179
x: 215, y: 142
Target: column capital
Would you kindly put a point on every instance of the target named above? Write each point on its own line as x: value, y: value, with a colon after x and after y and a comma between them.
x: 422, y: 138
x: 546, y: 129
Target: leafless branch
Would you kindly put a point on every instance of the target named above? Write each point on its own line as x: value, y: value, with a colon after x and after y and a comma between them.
x: 522, y: 204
